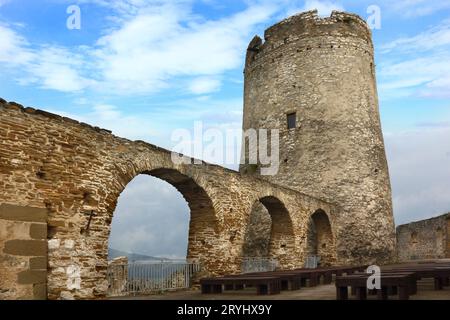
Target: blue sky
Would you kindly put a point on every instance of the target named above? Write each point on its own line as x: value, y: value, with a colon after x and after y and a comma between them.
x: 143, y: 68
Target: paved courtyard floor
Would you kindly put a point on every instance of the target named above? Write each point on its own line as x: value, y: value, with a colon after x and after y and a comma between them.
x: 322, y: 292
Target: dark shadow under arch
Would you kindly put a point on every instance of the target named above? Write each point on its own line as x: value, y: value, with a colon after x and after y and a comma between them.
x: 278, y: 242
x: 320, y: 240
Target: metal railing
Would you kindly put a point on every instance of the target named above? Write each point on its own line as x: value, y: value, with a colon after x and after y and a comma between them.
x: 256, y: 264
x: 146, y: 278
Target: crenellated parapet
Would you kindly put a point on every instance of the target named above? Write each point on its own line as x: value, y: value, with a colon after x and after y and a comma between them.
x: 309, y: 33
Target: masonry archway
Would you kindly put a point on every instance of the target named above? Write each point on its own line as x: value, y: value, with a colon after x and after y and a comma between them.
x: 320, y: 240
x: 151, y: 220
x: 257, y: 236
x: 269, y: 232
x: 202, y: 223
x: 440, y: 243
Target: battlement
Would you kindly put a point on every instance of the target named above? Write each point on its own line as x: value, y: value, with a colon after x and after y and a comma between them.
x: 309, y: 25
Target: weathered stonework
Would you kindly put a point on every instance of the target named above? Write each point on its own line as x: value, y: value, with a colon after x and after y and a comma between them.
x: 69, y: 172
x: 23, y: 252
x: 426, y: 239
x: 322, y: 69
x: 257, y: 237
x: 320, y: 239
x: 67, y: 176
x: 117, y: 269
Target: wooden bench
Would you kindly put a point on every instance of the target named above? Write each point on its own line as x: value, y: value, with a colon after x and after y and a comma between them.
x: 273, y: 282
x: 327, y: 272
x: 264, y: 285
x: 406, y: 283
x: 440, y: 274
x: 288, y: 280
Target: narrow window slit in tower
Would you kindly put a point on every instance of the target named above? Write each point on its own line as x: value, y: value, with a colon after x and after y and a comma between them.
x: 291, y: 120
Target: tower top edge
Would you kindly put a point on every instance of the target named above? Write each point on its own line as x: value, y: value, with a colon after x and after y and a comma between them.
x: 311, y: 22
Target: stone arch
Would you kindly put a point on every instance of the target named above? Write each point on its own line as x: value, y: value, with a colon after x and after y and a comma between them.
x: 413, y: 241
x: 413, y: 238
x: 89, y: 234
x: 203, y: 226
x: 281, y: 242
x: 203, y: 223
x: 320, y: 238
x: 440, y: 246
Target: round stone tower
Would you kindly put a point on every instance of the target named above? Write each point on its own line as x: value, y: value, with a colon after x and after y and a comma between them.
x: 314, y: 79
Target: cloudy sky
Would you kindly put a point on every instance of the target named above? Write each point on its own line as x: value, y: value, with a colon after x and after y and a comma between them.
x: 144, y: 68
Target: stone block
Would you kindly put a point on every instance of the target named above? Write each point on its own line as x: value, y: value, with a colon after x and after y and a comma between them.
x: 40, y: 291
x: 32, y: 276
x: 26, y: 247
x: 22, y: 213
x: 37, y: 263
x: 38, y: 231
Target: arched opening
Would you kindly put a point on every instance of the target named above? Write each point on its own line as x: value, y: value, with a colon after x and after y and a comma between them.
x: 151, y: 220
x: 440, y: 245
x: 165, y: 217
x: 203, y: 224
x: 413, y: 245
x: 269, y: 234
x: 413, y: 239
x: 320, y: 241
x: 257, y: 237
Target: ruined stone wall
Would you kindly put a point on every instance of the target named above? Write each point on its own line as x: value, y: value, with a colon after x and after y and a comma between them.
x: 118, y: 276
x: 257, y: 237
x: 320, y: 240
x: 74, y: 173
x: 426, y: 239
x: 323, y: 70
x: 23, y: 252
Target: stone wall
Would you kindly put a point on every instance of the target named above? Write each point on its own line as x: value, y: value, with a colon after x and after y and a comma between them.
x: 75, y: 173
x: 323, y: 70
x: 426, y: 239
x: 320, y: 239
x: 23, y: 252
x: 257, y: 237
x: 118, y: 276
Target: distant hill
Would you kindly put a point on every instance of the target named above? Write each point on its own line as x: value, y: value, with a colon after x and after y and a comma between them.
x: 113, y: 253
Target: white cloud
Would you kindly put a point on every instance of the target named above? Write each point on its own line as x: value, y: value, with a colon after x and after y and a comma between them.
x: 324, y: 8
x: 176, y: 43
x: 420, y: 172
x: 431, y: 39
x: 151, y: 218
x: 417, y: 8
x: 420, y: 64
x: 3, y: 2
x: 49, y: 67
x: 426, y: 76
x: 13, y: 48
x: 131, y: 126
x: 150, y: 46
x: 204, y: 85
x: 58, y: 69
x: 403, y: 83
